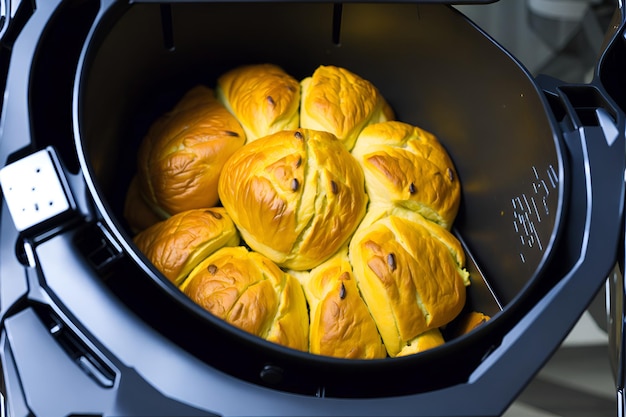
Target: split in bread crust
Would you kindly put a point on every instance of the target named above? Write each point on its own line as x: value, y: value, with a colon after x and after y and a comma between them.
x: 296, y: 196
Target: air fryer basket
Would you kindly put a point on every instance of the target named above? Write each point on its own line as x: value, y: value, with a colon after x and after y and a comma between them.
x: 541, y: 166
x: 436, y: 69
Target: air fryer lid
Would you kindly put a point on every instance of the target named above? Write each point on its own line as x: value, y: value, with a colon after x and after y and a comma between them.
x: 436, y: 69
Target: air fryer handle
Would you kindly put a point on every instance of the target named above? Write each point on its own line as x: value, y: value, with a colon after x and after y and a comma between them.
x: 593, y: 131
x: 595, y: 144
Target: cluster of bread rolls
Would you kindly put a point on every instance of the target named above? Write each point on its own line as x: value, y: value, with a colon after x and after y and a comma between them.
x: 301, y: 212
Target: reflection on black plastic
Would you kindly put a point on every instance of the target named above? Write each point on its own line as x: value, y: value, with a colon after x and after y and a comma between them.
x: 77, y: 350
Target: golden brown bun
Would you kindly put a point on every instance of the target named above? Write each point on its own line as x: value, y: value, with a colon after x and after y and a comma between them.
x: 410, y: 273
x: 296, y: 196
x: 263, y: 97
x: 137, y: 211
x: 427, y: 340
x: 249, y: 291
x: 470, y: 321
x: 176, y: 245
x: 338, y: 101
x: 181, y: 157
x: 341, y: 325
x: 407, y: 166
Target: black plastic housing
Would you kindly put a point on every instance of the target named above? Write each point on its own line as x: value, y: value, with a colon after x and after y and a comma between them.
x: 540, y: 163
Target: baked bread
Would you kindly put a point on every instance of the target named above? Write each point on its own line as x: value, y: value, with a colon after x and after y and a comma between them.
x: 407, y: 166
x: 296, y: 196
x: 137, y: 212
x: 340, y: 322
x: 181, y: 157
x: 263, y: 97
x: 176, y: 245
x: 249, y: 291
x: 410, y: 272
x: 338, y: 101
x: 427, y: 340
x: 470, y: 321
x: 276, y: 153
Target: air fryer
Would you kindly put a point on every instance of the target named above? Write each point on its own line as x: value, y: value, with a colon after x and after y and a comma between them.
x: 541, y: 165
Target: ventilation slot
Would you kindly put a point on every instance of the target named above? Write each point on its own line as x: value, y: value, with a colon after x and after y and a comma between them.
x: 89, y: 361
x: 99, y: 248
